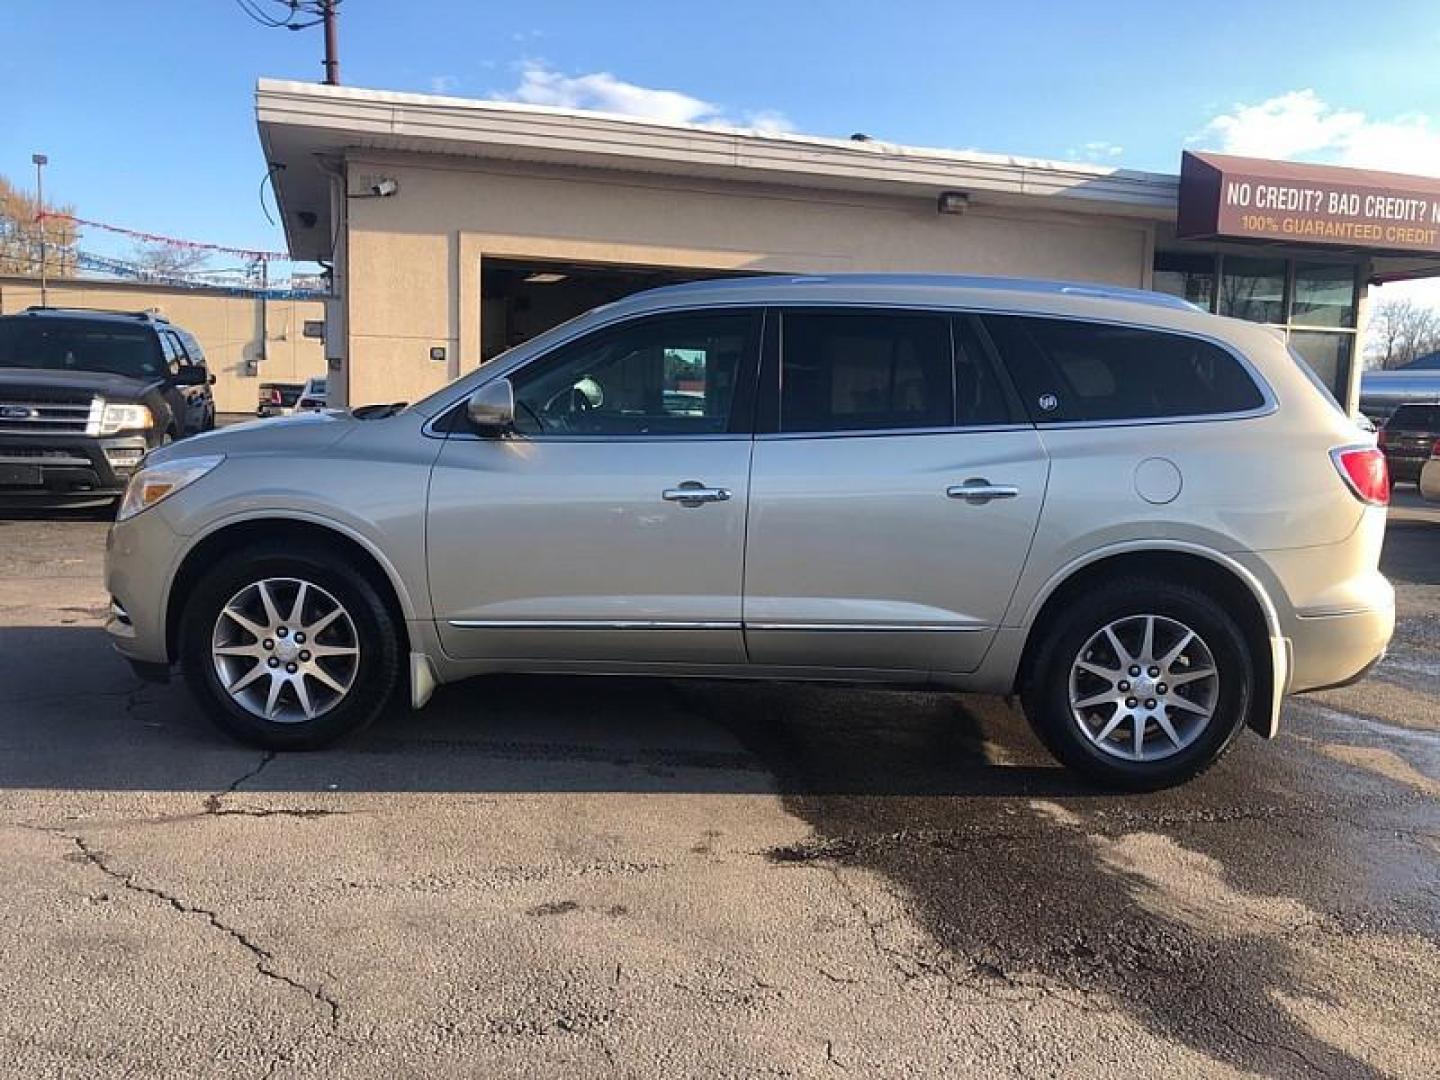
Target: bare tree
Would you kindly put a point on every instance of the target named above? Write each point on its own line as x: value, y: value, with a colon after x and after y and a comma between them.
x: 155, y: 260
x: 20, y: 235
x: 1400, y: 331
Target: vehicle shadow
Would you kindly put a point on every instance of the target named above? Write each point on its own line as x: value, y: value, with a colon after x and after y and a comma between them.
x: 1097, y: 896
x: 1029, y: 883
x: 83, y: 721
x: 81, y: 510
x: 1412, y: 549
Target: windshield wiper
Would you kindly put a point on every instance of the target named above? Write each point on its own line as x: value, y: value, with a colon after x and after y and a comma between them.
x: 378, y: 412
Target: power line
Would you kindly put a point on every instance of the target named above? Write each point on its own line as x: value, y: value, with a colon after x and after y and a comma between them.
x: 321, y: 12
x: 257, y: 14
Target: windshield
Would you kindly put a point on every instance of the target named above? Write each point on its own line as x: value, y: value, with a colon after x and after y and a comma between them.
x: 77, y: 345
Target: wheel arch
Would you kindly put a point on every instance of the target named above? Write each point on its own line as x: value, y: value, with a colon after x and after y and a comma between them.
x: 1237, y: 588
x: 233, y: 534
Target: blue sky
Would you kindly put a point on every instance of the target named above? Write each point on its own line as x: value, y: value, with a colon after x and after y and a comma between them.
x: 146, y: 107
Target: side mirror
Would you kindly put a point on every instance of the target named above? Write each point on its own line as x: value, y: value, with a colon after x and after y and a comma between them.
x: 190, y: 376
x: 491, y: 409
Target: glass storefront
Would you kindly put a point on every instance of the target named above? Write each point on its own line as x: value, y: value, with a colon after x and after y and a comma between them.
x: 1253, y: 289
x: 1314, y: 302
x: 1190, y: 276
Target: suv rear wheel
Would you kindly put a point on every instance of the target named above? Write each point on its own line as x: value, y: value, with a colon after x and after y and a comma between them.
x: 1141, y: 684
x: 287, y: 650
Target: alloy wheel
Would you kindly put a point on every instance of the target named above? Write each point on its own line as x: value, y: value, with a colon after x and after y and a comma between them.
x: 285, y: 650
x: 1144, y: 688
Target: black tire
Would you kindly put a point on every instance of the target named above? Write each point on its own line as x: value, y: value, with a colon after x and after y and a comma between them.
x: 377, y: 673
x: 1046, y: 695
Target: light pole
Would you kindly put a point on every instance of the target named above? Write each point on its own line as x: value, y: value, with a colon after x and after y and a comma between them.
x: 41, y: 161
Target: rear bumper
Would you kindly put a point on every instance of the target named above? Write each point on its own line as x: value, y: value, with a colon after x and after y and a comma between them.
x: 1335, y: 649
x: 41, y: 466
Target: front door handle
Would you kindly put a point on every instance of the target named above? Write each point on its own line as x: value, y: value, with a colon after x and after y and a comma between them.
x: 692, y: 493
x: 980, y: 491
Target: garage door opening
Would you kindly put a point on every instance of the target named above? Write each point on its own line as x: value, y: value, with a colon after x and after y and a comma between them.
x: 521, y: 298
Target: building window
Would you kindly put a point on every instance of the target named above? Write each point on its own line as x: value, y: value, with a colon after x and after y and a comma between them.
x: 1314, y: 303
x: 1253, y: 289
x: 1328, y: 355
x: 1190, y: 277
x: 1324, y: 295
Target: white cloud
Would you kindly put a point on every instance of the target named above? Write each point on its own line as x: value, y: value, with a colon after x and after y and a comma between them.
x: 602, y: 91
x: 1098, y: 150
x: 1303, y: 125
x: 444, y: 84
x: 770, y: 121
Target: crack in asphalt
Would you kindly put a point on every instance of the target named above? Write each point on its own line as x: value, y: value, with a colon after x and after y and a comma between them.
x: 88, y: 695
x: 214, y: 805
x: 1293, y: 1051
x: 264, y: 958
x: 213, y: 802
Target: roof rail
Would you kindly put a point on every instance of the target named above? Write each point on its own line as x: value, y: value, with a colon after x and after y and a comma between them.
x: 1096, y: 290
x: 148, y: 316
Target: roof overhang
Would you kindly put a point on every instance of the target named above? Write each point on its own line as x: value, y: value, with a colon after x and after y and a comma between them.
x: 304, y: 124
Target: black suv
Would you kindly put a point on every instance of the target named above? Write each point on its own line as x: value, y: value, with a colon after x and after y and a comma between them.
x: 85, y: 394
x: 1407, y: 438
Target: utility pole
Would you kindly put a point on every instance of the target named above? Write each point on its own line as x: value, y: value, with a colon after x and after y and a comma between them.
x: 302, y: 15
x: 41, y: 161
x: 331, y: 18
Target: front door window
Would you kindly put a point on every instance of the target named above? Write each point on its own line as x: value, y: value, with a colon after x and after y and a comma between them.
x: 669, y: 375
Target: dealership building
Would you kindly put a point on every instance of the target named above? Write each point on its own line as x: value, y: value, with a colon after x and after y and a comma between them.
x: 455, y: 228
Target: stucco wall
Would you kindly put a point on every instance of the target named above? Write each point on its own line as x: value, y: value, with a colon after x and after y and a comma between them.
x: 414, y: 258
x: 228, y: 328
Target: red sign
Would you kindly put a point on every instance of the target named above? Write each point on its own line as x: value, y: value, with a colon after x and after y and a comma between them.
x: 1247, y: 198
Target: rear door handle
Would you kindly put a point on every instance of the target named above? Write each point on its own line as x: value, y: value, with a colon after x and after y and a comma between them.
x: 979, y: 492
x: 692, y: 493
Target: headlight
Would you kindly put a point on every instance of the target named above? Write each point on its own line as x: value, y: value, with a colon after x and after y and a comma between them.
x: 149, y: 486
x: 118, y: 418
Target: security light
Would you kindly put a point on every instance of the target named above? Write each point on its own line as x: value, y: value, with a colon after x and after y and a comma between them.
x: 952, y: 202
x: 543, y: 278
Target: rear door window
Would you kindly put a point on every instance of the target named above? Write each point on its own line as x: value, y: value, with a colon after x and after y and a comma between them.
x: 1070, y: 370
x: 865, y: 371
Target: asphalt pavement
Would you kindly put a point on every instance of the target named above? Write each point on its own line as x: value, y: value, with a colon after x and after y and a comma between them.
x: 564, y: 877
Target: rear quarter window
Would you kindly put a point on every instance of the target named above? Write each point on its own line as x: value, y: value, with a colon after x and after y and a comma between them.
x: 1071, y: 370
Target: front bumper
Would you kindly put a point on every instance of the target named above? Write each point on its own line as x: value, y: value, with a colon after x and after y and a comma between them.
x: 33, y: 466
x: 141, y: 557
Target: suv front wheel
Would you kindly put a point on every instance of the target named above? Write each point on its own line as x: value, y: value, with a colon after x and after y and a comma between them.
x: 288, y: 650
x: 1140, y: 684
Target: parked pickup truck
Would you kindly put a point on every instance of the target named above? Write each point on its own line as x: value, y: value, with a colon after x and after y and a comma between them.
x: 84, y: 395
x: 278, y: 399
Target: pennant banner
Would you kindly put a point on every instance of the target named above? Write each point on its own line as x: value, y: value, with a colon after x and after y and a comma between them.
x: 171, y: 241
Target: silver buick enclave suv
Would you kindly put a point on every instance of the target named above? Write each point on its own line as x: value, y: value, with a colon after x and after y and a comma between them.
x: 1150, y: 523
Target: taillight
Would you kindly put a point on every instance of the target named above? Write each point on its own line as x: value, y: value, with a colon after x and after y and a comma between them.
x: 1363, y: 468
x: 276, y: 398
x: 1435, y: 450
